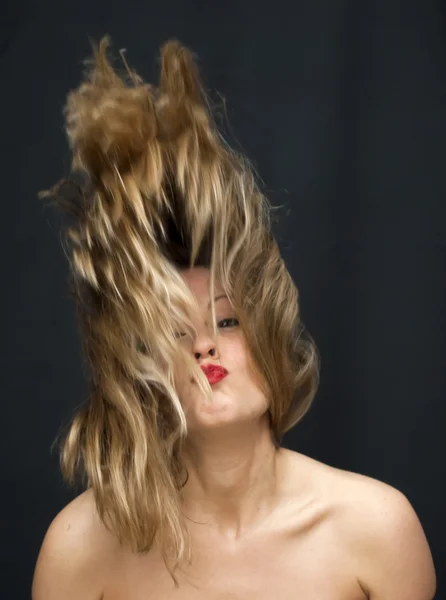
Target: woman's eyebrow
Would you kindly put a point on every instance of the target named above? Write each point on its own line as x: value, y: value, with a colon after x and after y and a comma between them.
x: 219, y: 297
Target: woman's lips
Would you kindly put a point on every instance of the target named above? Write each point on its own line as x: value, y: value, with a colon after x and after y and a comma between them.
x: 214, y: 373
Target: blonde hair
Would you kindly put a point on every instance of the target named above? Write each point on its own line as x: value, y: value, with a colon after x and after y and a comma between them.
x: 163, y: 191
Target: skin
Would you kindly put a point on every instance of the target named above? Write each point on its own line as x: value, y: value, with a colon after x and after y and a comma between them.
x: 229, y: 455
x: 264, y: 523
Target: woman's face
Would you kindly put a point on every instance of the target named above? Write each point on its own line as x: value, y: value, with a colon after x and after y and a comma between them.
x: 238, y: 396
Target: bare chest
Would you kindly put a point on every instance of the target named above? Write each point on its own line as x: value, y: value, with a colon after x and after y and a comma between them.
x: 264, y: 568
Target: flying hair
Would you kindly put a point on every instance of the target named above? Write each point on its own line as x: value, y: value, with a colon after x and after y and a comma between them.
x: 162, y: 191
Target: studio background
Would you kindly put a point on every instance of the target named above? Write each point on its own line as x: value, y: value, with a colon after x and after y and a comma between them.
x: 341, y: 106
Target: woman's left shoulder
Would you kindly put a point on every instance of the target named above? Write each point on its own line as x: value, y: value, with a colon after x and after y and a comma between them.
x: 383, y: 531
x: 349, y: 491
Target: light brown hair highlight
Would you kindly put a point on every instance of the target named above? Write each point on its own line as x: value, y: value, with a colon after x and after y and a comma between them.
x: 163, y: 192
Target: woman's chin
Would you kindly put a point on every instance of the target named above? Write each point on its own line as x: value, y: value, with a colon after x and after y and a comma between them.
x: 219, y: 411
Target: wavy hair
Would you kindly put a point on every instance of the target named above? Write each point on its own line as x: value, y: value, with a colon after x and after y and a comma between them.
x: 162, y: 191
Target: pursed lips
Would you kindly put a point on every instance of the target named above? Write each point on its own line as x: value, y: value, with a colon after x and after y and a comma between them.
x: 214, y: 373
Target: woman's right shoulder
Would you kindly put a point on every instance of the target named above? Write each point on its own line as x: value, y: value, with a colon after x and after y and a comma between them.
x: 75, y: 555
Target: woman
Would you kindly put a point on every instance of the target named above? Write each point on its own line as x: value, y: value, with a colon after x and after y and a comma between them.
x: 199, y: 364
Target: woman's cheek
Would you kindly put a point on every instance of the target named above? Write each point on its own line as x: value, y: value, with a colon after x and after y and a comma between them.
x: 234, y: 354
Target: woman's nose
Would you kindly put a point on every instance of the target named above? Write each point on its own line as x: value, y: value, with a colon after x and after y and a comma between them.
x: 204, y: 345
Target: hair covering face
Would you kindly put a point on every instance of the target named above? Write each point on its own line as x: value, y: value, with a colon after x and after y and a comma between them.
x: 163, y: 192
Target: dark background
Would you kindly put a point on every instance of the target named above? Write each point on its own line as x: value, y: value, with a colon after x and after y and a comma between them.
x: 342, y: 108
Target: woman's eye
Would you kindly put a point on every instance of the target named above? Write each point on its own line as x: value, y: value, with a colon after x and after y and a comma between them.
x: 225, y: 323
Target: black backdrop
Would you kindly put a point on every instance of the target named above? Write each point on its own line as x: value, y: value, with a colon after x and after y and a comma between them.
x: 342, y: 108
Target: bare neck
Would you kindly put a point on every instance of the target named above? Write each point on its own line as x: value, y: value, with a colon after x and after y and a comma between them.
x: 233, y: 477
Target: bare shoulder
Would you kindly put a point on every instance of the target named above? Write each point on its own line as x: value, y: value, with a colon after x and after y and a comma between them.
x: 386, y: 534
x: 379, y: 529
x: 74, y: 555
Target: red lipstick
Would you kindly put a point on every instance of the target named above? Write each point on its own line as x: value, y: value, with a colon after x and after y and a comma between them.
x: 214, y: 373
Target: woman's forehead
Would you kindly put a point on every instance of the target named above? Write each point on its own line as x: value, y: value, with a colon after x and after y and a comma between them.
x: 198, y: 280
